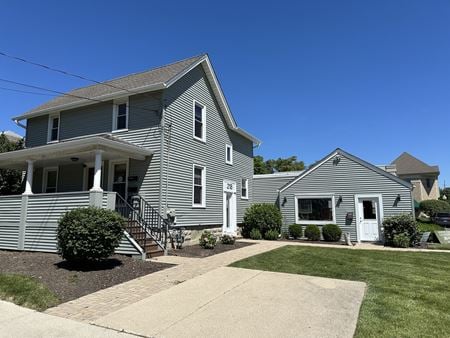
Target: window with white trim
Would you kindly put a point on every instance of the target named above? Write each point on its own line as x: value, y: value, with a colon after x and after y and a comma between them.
x: 198, y: 186
x: 120, y: 115
x: 244, y: 188
x: 199, y: 121
x: 314, y: 209
x: 50, y: 180
x: 53, y: 128
x: 229, y: 154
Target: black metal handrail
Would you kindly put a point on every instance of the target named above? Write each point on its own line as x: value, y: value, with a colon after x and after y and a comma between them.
x: 156, y: 226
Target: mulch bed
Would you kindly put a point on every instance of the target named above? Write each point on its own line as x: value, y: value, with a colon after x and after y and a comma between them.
x: 312, y: 242
x: 69, y: 282
x: 196, y: 251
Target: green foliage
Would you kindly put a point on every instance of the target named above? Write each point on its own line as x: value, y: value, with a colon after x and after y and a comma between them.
x: 10, y: 180
x: 312, y: 232
x: 296, y: 231
x: 400, y: 224
x: 26, y: 291
x: 271, y: 235
x: 228, y: 240
x: 255, y: 234
x: 432, y: 207
x: 207, y: 240
x: 445, y: 192
x: 263, y: 217
x: 428, y: 227
x: 331, y: 233
x: 280, y: 164
x: 89, y: 234
x: 401, y: 241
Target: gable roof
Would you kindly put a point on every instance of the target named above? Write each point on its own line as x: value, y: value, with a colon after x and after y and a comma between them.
x: 408, y: 164
x: 341, y: 152
x: 150, y: 80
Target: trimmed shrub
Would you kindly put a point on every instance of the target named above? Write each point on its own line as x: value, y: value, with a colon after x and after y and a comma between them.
x: 296, y: 231
x: 401, y: 241
x: 89, y: 234
x: 263, y: 217
x: 255, y: 234
x: 312, y: 232
x: 207, y: 240
x: 271, y: 235
x: 331, y: 232
x: 432, y: 207
x: 400, y: 224
x: 228, y: 240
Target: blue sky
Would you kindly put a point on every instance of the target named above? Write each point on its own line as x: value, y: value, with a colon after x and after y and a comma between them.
x: 371, y: 77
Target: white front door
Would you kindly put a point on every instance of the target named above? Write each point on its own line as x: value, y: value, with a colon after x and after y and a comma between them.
x: 369, y: 218
x: 229, y: 208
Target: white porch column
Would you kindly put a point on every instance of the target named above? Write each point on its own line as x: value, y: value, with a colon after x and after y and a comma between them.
x: 29, y: 182
x: 97, y: 171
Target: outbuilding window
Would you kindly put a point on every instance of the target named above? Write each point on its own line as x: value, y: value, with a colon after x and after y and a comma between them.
x: 229, y: 154
x: 314, y: 209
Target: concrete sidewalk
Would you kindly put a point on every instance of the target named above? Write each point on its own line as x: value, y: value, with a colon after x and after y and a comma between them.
x: 232, y: 302
x: 16, y: 321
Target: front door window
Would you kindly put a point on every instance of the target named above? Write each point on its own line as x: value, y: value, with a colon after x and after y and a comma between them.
x: 119, y: 184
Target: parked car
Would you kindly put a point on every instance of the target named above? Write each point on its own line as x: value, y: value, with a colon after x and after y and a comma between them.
x: 442, y: 218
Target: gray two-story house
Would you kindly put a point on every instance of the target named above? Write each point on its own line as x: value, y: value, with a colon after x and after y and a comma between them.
x: 161, y: 147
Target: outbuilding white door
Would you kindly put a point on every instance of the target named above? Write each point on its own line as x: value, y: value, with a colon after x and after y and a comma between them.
x: 229, y: 208
x: 369, y: 218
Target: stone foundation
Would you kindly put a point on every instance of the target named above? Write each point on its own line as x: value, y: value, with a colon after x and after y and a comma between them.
x: 192, y: 234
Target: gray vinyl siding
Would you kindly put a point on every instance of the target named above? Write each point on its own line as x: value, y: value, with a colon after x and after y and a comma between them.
x: 36, y: 134
x: 185, y: 151
x: 37, y: 180
x: 346, y: 179
x: 265, y: 189
x: 10, y: 208
x: 70, y: 177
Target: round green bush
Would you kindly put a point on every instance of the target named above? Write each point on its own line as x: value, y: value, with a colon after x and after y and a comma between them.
x: 271, y: 235
x: 207, y: 240
x: 331, y: 233
x: 432, y: 207
x: 263, y: 217
x: 312, y: 232
x: 228, y: 240
x: 296, y: 231
x: 255, y: 234
x: 401, y: 241
x: 89, y: 234
x: 400, y: 224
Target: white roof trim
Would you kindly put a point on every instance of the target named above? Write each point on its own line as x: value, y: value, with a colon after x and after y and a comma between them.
x: 282, y: 174
x: 209, y: 73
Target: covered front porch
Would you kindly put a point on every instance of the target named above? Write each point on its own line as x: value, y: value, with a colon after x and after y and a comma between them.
x: 97, y: 163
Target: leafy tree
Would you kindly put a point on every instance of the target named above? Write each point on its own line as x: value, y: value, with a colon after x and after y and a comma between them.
x: 259, y: 166
x: 10, y: 180
x: 445, y: 192
x: 275, y: 165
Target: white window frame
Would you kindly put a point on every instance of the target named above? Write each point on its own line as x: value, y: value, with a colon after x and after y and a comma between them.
x: 312, y: 196
x: 246, y: 188
x: 229, y: 161
x: 203, y: 204
x: 203, y: 138
x: 50, y: 127
x: 116, y: 104
x: 45, y: 179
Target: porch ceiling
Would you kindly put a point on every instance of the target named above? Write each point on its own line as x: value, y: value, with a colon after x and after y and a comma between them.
x: 81, y: 149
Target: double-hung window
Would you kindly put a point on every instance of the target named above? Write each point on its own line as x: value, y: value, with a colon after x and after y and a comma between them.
x: 228, y: 154
x: 50, y: 180
x: 120, y: 115
x: 315, y: 209
x: 53, y: 128
x: 199, y: 121
x: 244, y: 188
x: 198, y: 187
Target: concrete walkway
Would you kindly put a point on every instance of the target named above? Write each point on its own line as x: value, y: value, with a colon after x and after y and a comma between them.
x: 16, y: 321
x: 232, y: 302
x: 101, y: 303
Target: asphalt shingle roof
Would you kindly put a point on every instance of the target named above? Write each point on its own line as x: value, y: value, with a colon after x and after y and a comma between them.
x: 408, y: 164
x: 129, y: 82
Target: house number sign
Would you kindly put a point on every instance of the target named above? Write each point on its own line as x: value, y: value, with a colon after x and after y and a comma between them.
x: 229, y: 186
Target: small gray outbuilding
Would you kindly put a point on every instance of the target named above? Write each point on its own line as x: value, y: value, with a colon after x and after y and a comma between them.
x: 342, y: 189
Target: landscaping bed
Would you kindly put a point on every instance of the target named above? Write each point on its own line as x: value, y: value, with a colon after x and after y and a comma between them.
x: 408, y: 293
x: 66, y: 281
x: 196, y: 251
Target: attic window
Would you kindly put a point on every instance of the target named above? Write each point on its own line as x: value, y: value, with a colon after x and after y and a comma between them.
x: 199, y: 121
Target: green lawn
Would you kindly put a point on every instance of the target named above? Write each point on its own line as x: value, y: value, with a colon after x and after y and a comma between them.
x: 26, y: 291
x: 408, y: 292
x: 425, y: 227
